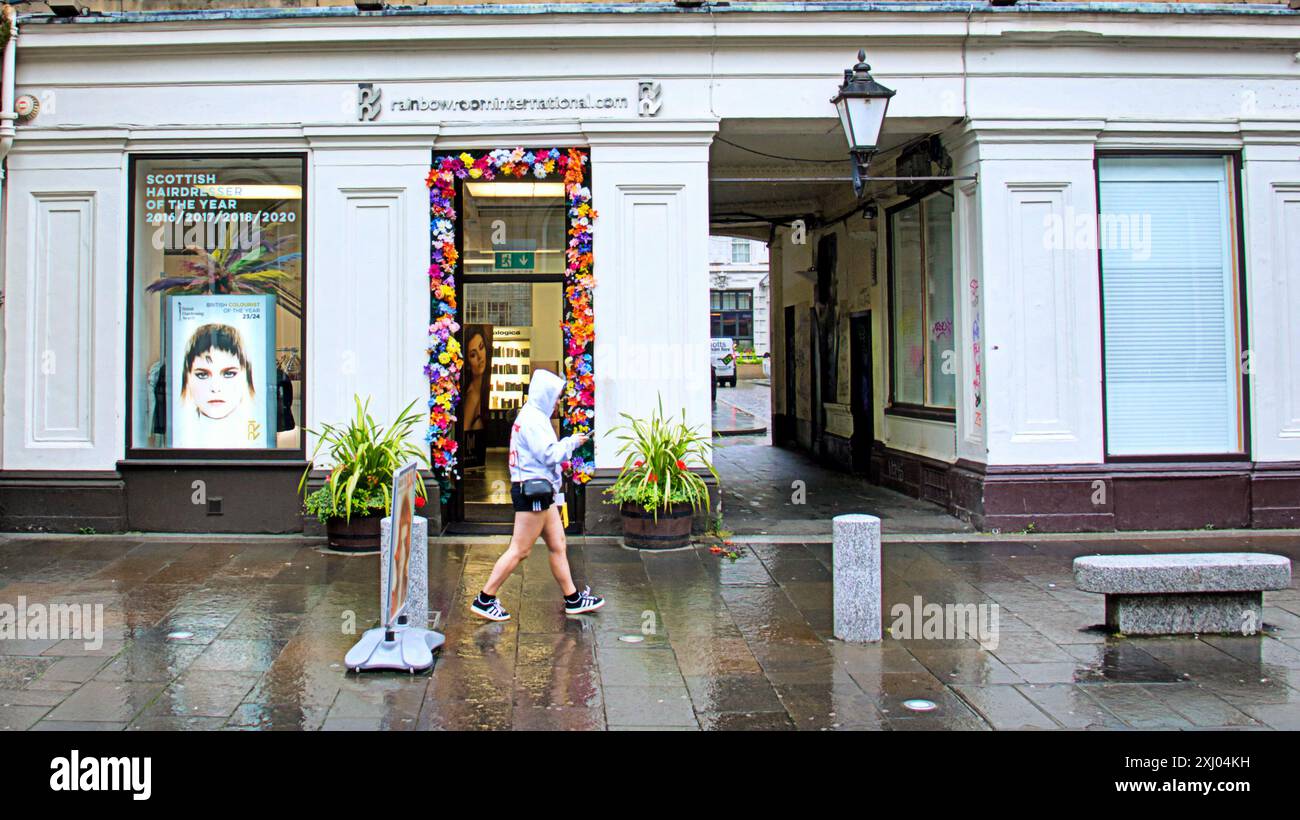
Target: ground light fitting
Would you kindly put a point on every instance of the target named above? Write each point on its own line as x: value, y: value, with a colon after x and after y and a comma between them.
x: 370, y: 5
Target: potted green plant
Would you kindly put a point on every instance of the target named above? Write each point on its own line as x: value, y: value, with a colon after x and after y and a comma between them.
x: 357, y: 493
x: 657, y: 490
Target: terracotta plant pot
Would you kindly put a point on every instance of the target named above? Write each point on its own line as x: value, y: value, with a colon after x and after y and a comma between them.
x: 642, y: 531
x: 361, y: 534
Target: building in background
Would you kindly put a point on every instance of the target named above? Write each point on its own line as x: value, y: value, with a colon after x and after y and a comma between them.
x: 738, y: 292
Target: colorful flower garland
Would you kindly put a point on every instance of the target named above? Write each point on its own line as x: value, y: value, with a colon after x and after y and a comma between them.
x: 445, y: 360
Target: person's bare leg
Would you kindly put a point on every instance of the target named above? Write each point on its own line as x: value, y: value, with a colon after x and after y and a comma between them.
x: 553, y: 534
x: 528, y: 525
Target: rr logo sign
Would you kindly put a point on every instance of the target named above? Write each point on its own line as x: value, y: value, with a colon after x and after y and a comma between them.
x: 649, y: 98
x: 368, y: 101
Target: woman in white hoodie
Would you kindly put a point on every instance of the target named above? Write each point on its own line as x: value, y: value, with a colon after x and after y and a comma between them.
x: 536, y: 457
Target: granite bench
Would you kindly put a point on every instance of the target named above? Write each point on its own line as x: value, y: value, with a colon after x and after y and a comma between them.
x: 1185, y: 593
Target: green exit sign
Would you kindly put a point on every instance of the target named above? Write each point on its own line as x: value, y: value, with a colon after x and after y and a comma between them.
x: 514, y: 260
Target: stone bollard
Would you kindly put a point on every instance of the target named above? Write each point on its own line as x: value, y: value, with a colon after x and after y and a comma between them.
x: 855, y: 575
x: 417, y: 590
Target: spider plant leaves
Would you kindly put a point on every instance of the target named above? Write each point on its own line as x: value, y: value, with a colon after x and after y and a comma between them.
x: 661, y: 460
x: 364, y: 456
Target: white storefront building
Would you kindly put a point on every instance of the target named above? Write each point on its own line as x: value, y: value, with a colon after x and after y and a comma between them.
x: 739, y: 284
x: 945, y: 339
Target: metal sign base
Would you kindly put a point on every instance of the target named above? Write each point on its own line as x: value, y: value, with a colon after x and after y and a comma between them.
x: 403, y: 647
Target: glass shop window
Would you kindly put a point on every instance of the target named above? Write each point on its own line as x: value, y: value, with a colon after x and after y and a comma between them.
x: 216, y: 303
x: 923, y: 371
x: 732, y: 316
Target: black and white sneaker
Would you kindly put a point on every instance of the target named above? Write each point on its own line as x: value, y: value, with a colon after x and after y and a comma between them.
x: 492, y: 610
x: 586, y: 603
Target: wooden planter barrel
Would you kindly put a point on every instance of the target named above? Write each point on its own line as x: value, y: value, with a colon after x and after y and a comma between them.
x: 642, y: 531
x: 361, y: 534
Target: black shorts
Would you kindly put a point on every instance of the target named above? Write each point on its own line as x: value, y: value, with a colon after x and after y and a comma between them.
x: 522, y: 504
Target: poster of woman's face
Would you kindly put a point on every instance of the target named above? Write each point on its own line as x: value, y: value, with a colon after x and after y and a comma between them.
x: 220, y: 372
x: 400, y: 560
x: 477, y: 377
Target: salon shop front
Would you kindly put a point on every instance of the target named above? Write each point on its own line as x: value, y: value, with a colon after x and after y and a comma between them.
x: 222, y: 237
x: 1062, y: 299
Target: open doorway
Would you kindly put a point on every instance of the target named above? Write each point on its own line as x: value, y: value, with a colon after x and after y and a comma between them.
x: 511, y: 292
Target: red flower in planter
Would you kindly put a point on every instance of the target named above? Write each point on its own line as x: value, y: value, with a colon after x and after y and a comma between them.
x: 638, y: 463
x: 654, y: 479
x: 419, y: 502
x: 681, y: 465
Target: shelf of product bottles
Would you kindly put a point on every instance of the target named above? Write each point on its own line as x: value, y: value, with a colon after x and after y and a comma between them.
x: 510, y: 374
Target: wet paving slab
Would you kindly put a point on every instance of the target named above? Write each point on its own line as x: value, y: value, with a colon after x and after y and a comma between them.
x: 767, y: 489
x: 250, y: 636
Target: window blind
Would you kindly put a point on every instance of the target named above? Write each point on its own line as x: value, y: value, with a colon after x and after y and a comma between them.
x: 1169, y: 299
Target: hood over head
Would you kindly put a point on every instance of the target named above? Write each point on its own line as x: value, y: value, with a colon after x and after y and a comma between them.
x: 544, y: 388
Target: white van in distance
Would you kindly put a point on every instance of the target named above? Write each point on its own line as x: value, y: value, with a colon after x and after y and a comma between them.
x: 723, y: 353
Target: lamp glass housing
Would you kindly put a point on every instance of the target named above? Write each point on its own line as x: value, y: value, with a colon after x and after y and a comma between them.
x: 862, y: 119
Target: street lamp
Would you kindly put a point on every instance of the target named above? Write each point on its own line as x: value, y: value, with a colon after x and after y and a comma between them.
x: 862, y: 103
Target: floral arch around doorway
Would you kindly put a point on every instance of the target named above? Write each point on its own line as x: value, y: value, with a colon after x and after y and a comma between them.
x: 445, y: 356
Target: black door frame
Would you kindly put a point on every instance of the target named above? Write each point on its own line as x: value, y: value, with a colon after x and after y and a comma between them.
x: 456, y: 508
x: 862, y: 390
x: 814, y: 382
x: 790, y: 431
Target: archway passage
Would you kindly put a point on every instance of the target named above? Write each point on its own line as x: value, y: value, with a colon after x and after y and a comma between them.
x: 805, y: 428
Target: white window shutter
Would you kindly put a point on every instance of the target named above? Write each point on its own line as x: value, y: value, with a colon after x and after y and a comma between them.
x: 1169, y: 299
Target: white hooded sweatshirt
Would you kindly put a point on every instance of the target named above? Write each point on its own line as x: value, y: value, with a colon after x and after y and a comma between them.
x: 534, y: 450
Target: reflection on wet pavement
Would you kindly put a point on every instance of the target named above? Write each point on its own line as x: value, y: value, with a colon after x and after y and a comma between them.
x: 250, y: 635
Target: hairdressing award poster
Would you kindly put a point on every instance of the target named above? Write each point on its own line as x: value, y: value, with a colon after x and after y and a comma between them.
x: 221, y: 371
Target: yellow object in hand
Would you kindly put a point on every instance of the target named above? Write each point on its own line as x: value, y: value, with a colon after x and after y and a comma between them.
x: 564, y: 515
